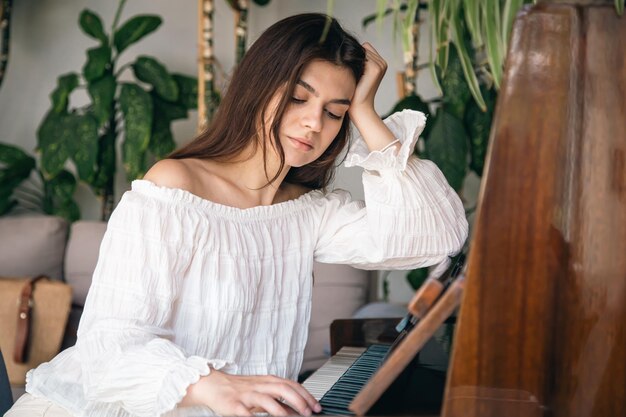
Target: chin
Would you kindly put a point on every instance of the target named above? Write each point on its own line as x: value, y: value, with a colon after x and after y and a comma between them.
x: 297, y: 161
x: 296, y: 164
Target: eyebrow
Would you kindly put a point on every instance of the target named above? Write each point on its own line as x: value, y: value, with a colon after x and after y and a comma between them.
x: 309, y: 88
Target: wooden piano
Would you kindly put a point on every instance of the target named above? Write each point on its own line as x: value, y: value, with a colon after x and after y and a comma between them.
x: 542, y: 325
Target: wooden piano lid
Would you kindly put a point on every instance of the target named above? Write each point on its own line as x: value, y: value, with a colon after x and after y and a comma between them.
x: 542, y: 327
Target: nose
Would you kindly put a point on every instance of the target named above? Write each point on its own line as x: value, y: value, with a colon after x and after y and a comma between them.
x: 312, y: 119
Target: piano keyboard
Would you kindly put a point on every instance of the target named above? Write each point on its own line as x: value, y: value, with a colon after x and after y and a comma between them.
x: 340, y: 379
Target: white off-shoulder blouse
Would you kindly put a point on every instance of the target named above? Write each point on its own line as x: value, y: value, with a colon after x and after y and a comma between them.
x: 183, y: 283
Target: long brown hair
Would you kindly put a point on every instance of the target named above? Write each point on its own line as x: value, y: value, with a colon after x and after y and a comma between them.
x: 276, y: 60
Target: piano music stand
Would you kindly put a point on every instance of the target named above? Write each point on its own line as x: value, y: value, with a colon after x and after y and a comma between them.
x: 408, y: 348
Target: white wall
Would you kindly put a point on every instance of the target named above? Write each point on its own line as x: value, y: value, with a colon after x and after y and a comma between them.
x: 47, y: 42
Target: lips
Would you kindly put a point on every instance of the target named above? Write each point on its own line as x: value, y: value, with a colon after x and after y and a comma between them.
x: 301, y: 143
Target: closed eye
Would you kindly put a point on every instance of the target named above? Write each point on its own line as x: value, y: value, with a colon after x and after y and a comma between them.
x: 332, y: 115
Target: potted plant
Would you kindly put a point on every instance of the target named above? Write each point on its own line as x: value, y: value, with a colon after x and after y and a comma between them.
x: 137, y: 113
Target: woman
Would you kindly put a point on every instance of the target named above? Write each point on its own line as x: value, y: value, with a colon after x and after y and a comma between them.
x: 202, y: 292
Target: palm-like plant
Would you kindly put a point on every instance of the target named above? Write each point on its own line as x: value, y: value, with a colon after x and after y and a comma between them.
x: 469, y: 41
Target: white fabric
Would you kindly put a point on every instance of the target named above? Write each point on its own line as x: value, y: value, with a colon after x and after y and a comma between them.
x: 183, y: 283
x: 29, y: 406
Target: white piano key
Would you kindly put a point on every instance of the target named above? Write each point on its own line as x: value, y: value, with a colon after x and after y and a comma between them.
x: 325, y: 377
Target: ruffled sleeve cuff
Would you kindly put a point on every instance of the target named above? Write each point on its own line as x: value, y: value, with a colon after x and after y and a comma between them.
x: 406, y: 126
x: 181, y: 377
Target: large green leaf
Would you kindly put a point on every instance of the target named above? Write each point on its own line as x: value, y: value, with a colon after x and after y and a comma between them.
x: 13, y: 156
x: 473, y: 21
x: 68, y: 209
x: 63, y: 185
x: 84, y: 146
x: 63, y: 136
x: 447, y: 148
x: 456, y: 93
x: 60, y: 96
x: 511, y: 7
x: 135, y: 29
x: 162, y: 140
x: 493, y: 41
x: 13, y: 172
x: 187, y: 90
x: 165, y: 109
x: 164, y: 112
x: 98, y: 61
x: 53, y: 136
x: 151, y: 71
x: 134, y: 161
x: 91, y: 24
x: 106, y: 163
x: 15, y: 166
x: 478, y: 126
x: 458, y: 35
x: 59, y: 199
x: 102, y: 92
x: 136, y: 106
x: 417, y: 277
x: 6, y: 205
x: 407, y: 24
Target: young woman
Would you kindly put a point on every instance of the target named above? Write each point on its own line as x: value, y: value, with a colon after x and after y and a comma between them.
x: 202, y: 292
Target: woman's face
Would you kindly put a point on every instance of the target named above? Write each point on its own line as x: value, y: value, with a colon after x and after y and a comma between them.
x: 316, y: 110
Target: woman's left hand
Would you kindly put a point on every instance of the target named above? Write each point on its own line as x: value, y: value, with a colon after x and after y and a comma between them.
x: 362, y: 112
x: 363, y: 100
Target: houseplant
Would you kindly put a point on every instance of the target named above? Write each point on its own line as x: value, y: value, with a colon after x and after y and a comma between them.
x: 457, y: 130
x: 138, y: 113
x: 87, y: 135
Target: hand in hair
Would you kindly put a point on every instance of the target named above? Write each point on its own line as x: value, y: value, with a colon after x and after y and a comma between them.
x: 362, y: 112
x: 233, y: 395
x: 375, y: 68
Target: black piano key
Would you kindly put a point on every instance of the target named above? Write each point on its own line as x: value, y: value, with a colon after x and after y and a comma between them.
x: 341, y: 394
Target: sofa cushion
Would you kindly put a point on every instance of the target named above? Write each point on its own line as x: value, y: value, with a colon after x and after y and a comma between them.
x: 32, y: 245
x: 81, y: 256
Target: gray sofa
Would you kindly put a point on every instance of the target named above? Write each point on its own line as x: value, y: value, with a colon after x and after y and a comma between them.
x: 49, y: 245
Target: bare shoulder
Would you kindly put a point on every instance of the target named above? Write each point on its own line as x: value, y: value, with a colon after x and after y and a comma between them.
x: 172, y: 173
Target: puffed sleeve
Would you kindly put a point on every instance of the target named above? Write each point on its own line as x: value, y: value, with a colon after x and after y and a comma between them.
x: 410, y: 218
x: 125, y: 339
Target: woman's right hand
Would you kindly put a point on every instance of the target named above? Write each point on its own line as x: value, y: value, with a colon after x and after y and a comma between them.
x: 234, y: 395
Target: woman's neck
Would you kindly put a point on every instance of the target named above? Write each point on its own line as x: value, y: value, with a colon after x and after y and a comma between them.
x: 243, y: 181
